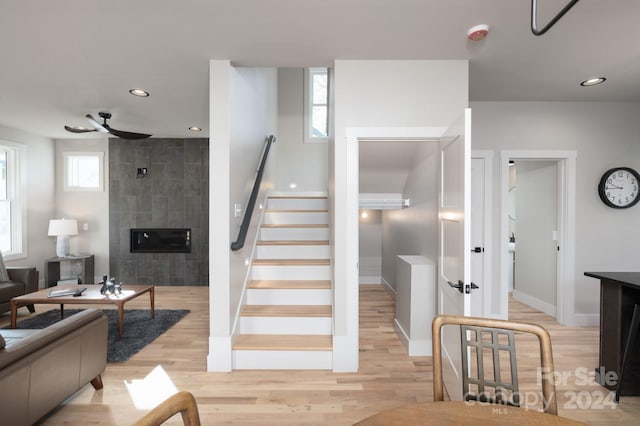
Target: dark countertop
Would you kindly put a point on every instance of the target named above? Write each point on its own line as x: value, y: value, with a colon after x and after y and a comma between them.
x: 624, y: 278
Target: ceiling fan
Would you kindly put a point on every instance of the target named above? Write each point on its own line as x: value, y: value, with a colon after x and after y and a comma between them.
x: 105, y: 128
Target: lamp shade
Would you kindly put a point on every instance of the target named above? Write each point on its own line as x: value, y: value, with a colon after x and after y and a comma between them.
x: 58, y: 227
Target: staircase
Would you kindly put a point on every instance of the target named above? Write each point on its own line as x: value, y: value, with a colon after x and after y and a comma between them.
x: 287, y: 320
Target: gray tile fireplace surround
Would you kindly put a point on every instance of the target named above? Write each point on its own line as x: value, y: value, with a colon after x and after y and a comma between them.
x: 173, y: 194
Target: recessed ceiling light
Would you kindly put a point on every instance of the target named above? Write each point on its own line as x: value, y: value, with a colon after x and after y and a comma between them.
x: 593, y: 81
x: 139, y: 92
x: 195, y: 129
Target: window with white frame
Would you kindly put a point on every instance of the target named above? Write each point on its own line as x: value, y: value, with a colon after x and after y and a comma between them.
x: 316, y: 105
x: 83, y: 171
x: 12, y: 200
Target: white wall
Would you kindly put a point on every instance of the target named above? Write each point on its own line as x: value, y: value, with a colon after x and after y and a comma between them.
x: 91, y: 208
x: 243, y: 112
x: 604, y: 134
x: 40, y: 201
x: 414, y: 230
x: 305, y: 164
x: 377, y: 94
x: 370, y: 247
x: 536, y: 209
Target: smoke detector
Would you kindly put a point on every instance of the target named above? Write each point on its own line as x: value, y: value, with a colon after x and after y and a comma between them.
x: 478, y: 32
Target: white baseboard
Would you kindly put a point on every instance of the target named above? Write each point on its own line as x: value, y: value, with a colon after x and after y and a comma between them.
x: 388, y: 286
x: 415, y: 347
x: 370, y: 280
x: 586, y: 320
x: 535, y: 303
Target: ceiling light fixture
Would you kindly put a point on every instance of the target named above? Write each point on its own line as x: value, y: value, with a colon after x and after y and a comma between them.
x: 593, y: 81
x: 139, y: 92
x: 478, y: 32
x: 195, y: 129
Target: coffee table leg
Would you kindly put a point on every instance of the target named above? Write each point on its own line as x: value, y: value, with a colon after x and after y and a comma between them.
x: 121, y: 318
x: 61, y: 310
x: 14, y: 313
x: 153, y: 308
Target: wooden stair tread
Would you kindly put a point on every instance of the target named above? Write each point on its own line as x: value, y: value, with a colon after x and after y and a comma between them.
x: 295, y: 211
x: 291, y: 262
x: 295, y: 225
x: 284, y: 342
x: 295, y: 197
x: 290, y: 284
x: 286, y: 311
x: 293, y: 243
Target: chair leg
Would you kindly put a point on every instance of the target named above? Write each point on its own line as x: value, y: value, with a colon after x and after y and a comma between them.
x: 31, y: 308
x: 96, y: 382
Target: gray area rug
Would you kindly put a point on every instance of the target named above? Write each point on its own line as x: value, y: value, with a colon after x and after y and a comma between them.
x: 139, y: 328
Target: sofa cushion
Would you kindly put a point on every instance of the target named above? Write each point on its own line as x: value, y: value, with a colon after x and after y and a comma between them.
x: 10, y: 289
x: 4, y: 275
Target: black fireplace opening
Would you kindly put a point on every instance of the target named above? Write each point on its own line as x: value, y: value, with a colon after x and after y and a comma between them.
x: 160, y: 240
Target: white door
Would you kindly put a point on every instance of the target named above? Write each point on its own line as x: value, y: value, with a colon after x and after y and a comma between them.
x: 478, y: 256
x: 454, y: 251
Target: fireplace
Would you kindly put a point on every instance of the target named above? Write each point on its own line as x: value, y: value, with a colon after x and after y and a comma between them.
x: 160, y: 240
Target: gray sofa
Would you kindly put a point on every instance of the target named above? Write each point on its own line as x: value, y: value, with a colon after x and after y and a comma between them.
x: 22, y: 281
x: 39, y: 369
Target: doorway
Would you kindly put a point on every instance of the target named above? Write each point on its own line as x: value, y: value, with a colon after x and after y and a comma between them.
x: 540, y: 231
x: 533, y: 233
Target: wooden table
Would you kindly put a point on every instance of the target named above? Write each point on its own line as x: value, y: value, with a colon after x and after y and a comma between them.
x: 619, y: 293
x: 463, y: 413
x: 91, y: 296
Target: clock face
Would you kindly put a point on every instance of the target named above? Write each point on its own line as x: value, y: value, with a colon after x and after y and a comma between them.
x: 618, y: 187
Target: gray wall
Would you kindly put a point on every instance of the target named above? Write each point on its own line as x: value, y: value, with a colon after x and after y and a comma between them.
x: 174, y: 194
x: 414, y: 230
x: 40, y: 200
x: 604, y: 134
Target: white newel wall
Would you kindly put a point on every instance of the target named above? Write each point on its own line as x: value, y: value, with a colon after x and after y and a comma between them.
x: 243, y: 112
x: 415, y: 303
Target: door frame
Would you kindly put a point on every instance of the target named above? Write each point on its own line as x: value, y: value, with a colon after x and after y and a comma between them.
x: 565, y: 302
x: 488, y: 289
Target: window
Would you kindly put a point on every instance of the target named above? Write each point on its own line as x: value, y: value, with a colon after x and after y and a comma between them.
x: 316, y: 105
x: 83, y: 171
x: 12, y: 206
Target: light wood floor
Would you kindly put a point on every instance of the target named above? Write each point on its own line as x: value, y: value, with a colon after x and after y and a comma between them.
x: 387, y: 376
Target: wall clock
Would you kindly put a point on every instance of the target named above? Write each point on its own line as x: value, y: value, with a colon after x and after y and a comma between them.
x: 618, y: 187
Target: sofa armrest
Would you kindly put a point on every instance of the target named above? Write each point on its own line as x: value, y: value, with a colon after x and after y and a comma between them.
x: 26, y: 275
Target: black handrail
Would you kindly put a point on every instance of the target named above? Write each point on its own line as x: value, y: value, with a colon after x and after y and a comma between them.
x: 534, y: 17
x: 244, y: 227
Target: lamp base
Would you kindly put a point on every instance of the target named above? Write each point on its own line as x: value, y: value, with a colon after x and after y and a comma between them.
x: 62, y: 245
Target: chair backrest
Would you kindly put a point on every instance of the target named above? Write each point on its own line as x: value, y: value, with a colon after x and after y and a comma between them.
x: 482, y: 337
x: 181, y: 402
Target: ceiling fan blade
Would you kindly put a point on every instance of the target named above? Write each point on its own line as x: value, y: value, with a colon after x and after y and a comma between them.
x: 99, y: 127
x: 126, y: 135
x: 78, y: 130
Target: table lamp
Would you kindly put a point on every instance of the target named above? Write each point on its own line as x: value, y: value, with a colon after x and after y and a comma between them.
x: 61, y: 229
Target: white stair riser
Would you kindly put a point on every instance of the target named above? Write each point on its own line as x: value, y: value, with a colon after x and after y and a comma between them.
x: 282, y: 360
x: 295, y: 217
x: 291, y: 272
x: 288, y: 297
x: 295, y: 234
x: 297, y: 204
x: 293, y: 252
x: 285, y: 325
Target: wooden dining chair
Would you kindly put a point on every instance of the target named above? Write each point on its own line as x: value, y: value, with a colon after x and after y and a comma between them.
x: 482, y: 338
x: 182, y: 402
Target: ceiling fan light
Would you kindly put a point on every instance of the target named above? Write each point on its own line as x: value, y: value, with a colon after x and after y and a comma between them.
x: 593, y: 81
x: 139, y: 92
x: 195, y: 129
x: 79, y: 128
